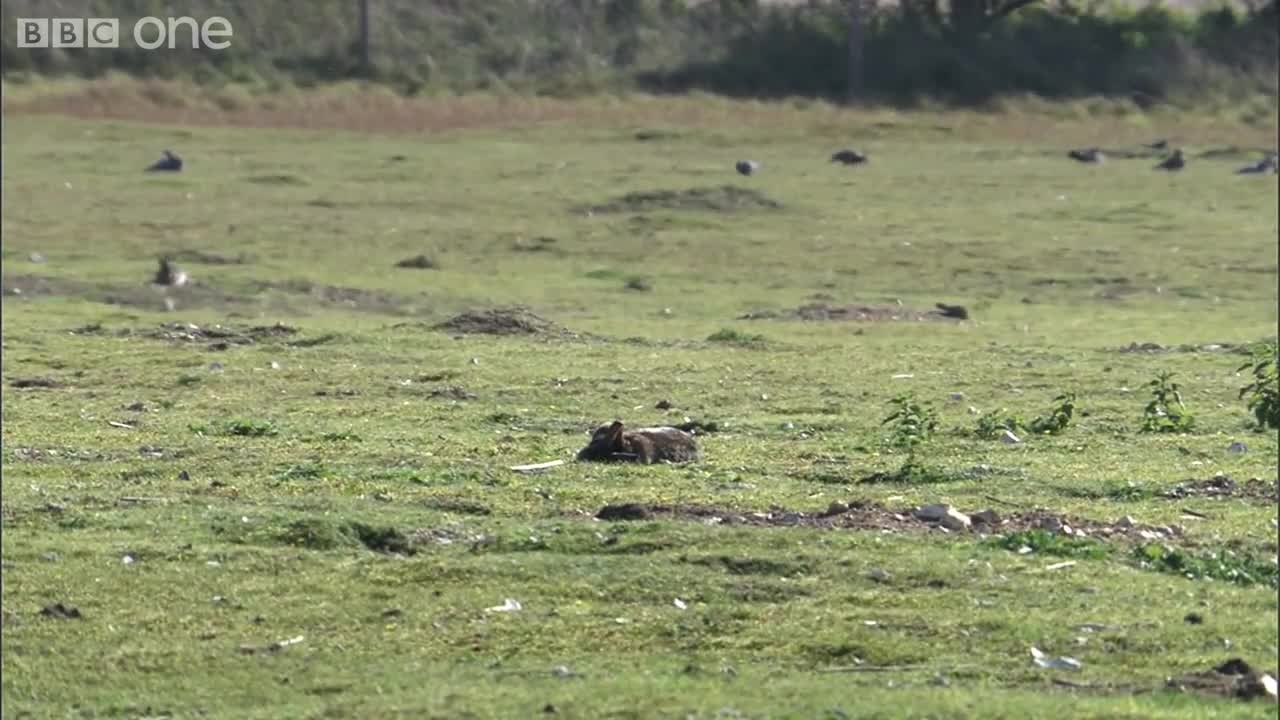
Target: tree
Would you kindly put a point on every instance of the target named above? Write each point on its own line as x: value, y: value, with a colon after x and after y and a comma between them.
x: 859, y: 11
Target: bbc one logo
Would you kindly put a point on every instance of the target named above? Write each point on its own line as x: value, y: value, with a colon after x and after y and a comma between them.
x: 149, y: 33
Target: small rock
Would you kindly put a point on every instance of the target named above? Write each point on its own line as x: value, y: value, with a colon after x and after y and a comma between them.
x: 1008, y: 438
x: 1237, y: 448
x: 36, y: 257
x: 1050, y: 524
x: 947, y: 516
x: 879, y: 575
x: 932, y: 513
x: 957, y: 396
x: 956, y: 520
x: 986, y: 517
x: 1261, y: 686
x: 836, y: 508
x: 1126, y: 522
x: 625, y: 511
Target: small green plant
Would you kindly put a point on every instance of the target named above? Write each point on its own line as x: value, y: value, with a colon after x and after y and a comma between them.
x: 912, y: 423
x: 911, y: 426
x: 1264, y: 391
x: 736, y: 337
x: 993, y: 424
x: 1166, y: 412
x: 1047, y: 543
x: 250, y: 428
x: 1059, y: 417
x: 1224, y: 565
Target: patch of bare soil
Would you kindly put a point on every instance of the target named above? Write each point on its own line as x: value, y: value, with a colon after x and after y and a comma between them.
x: 141, y: 295
x: 216, y: 337
x: 1232, y: 679
x: 1255, y: 489
x: 821, y: 311
x: 376, y: 301
x: 504, y: 321
x: 219, y: 335
x: 869, y: 515
x: 1156, y: 348
x: 200, y: 257
x: 34, y: 382
x: 726, y: 198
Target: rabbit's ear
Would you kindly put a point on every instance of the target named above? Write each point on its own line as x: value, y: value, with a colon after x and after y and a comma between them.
x: 615, y: 434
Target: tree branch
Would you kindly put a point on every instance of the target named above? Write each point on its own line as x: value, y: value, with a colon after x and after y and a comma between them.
x: 1012, y: 6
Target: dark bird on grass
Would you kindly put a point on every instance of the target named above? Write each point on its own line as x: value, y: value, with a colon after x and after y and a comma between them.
x: 1087, y: 155
x: 1161, y: 144
x: 1268, y: 165
x: 747, y: 167
x: 1173, y: 163
x: 849, y: 157
x: 959, y: 312
x: 169, y: 275
x: 168, y: 163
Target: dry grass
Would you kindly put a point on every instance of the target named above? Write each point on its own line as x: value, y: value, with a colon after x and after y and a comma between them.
x: 371, y: 108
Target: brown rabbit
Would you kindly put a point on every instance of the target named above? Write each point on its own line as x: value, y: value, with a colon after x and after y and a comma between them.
x: 613, y: 443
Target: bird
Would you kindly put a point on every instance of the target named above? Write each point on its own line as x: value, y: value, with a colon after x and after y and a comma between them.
x: 849, y: 157
x: 169, y: 275
x: 168, y: 163
x: 1160, y: 144
x: 747, y: 167
x: 1173, y: 163
x: 1266, y: 166
x: 959, y: 312
x: 1087, y: 155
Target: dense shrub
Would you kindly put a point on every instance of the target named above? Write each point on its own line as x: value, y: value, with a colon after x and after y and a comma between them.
x: 735, y: 47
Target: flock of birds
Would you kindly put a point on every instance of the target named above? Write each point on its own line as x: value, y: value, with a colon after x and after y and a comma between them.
x: 845, y: 157
x: 1268, y: 165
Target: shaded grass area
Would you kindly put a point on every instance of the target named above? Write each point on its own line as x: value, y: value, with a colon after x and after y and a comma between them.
x: 314, y: 443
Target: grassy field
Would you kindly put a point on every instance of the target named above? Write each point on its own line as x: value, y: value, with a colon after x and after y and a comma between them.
x: 316, y: 519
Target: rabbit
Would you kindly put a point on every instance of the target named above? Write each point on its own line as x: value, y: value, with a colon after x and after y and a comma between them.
x: 614, y: 443
x: 168, y: 163
x: 1087, y: 155
x: 849, y: 157
x: 1173, y: 163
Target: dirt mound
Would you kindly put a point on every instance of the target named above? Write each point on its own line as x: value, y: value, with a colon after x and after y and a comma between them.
x: 140, y: 295
x: 200, y: 257
x: 1155, y: 348
x: 725, y: 198
x: 503, y: 321
x: 216, y: 336
x: 817, y: 312
x: 1233, y: 679
x: 1224, y: 487
x: 375, y: 301
x: 869, y: 515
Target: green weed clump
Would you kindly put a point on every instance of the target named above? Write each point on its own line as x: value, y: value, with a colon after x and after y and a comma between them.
x: 1166, y: 413
x: 1264, y: 391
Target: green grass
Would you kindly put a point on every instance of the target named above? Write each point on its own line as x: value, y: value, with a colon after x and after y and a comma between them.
x: 348, y: 482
